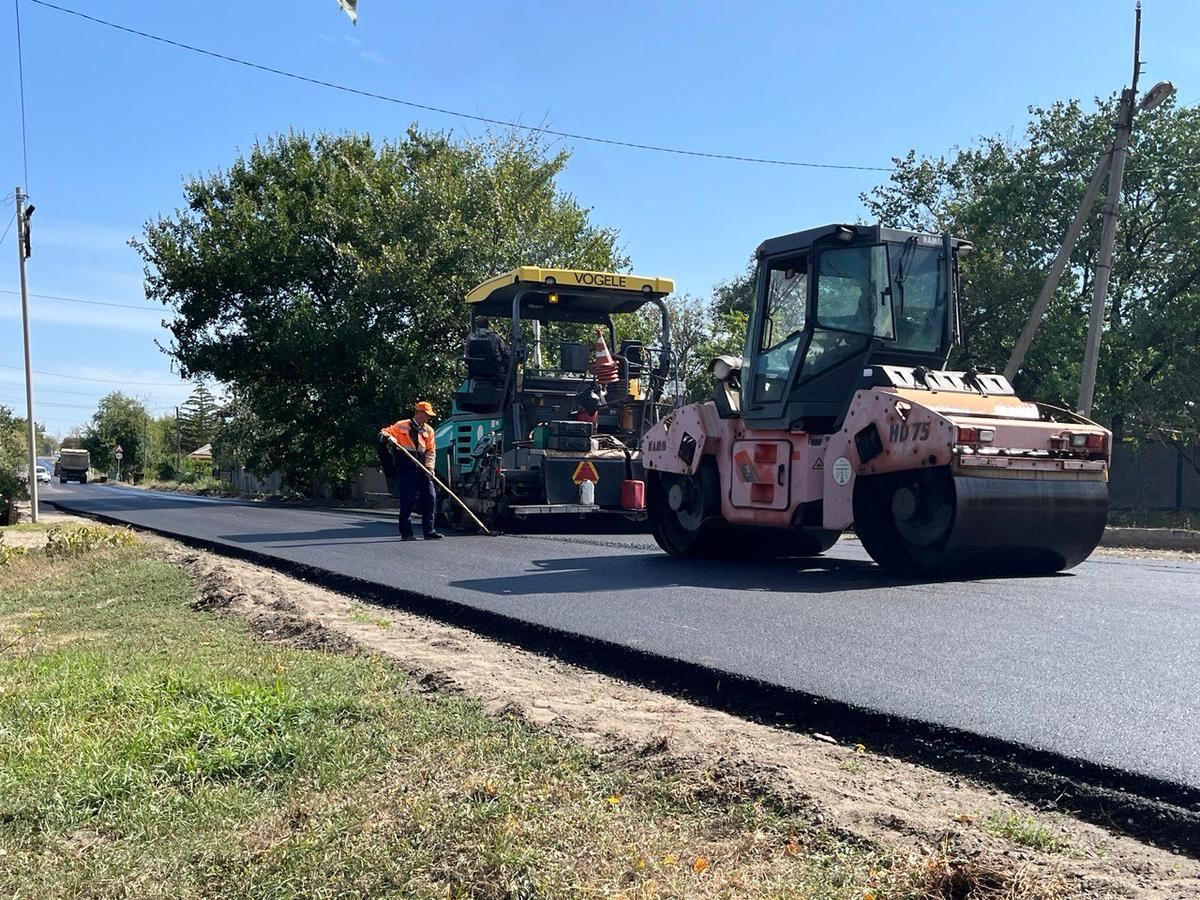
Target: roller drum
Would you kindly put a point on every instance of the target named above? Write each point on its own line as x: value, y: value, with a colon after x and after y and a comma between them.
x: 931, y: 520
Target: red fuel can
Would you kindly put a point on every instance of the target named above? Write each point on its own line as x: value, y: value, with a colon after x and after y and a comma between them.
x: 633, y: 494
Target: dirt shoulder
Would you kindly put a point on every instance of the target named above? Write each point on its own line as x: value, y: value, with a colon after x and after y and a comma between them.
x: 850, y: 789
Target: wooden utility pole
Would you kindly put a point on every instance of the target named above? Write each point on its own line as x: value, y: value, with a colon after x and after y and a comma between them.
x: 23, y: 249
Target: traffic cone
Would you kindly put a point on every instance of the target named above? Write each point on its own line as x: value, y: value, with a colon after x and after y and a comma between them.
x: 605, y: 367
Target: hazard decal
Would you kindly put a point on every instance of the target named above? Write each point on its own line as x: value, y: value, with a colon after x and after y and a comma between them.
x: 819, y: 465
x: 586, y: 471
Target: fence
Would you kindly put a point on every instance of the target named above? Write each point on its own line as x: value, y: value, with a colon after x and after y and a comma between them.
x: 1154, y: 476
x: 252, y: 484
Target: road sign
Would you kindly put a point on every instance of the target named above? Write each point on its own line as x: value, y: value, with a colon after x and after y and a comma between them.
x: 119, y: 453
x: 586, y: 471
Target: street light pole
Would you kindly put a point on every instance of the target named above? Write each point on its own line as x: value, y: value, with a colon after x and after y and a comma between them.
x: 30, y: 427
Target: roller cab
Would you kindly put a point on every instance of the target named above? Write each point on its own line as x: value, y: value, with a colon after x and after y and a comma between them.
x: 840, y: 414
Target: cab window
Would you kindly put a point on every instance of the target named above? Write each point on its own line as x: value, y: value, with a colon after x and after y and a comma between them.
x: 854, y: 293
x: 785, y: 315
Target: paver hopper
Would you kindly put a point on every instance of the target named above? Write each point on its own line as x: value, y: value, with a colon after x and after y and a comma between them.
x: 840, y: 414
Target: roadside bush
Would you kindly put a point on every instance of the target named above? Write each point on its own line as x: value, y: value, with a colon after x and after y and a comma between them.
x: 12, y: 489
x: 80, y: 539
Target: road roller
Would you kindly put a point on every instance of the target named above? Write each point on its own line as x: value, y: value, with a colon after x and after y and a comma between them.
x: 841, y: 414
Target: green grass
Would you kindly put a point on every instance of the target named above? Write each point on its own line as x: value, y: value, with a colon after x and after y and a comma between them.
x: 149, y: 749
x: 1026, y: 831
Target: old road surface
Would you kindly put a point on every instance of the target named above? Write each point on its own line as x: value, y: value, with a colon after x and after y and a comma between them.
x: 1097, y: 668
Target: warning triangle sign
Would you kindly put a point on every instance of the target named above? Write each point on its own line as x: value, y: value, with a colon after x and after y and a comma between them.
x: 586, y: 471
x: 819, y: 464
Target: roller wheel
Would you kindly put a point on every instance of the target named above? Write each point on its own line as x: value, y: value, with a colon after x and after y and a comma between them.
x: 684, y: 510
x: 904, y: 520
x: 929, y: 520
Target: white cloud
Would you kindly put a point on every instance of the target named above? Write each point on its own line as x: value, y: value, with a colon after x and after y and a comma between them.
x: 375, y: 57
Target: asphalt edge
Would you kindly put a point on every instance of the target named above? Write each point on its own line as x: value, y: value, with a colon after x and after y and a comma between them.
x: 1148, y: 809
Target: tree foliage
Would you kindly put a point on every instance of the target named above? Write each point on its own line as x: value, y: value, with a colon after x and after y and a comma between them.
x: 1015, y: 200
x: 13, y: 458
x: 321, y: 278
x: 198, y: 420
x: 118, y: 421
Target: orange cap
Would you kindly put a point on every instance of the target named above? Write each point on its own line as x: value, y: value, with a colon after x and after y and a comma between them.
x: 426, y: 407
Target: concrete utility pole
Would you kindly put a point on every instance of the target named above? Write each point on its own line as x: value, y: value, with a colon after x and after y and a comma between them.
x: 1108, y: 233
x: 1057, y: 267
x: 23, y: 248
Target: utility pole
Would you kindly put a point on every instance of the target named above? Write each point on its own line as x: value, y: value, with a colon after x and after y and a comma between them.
x: 1108, y: 233
x: 23, y: 249
x: 1111, y: 162
x: 1056, y: 268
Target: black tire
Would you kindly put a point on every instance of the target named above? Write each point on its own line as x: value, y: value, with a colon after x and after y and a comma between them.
x: 875, y: 521
x: 83, y: 479
x: 62, y: 480
x: 692, y: 527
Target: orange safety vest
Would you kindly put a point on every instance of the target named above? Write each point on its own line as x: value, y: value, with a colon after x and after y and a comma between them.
x: 403, y: 430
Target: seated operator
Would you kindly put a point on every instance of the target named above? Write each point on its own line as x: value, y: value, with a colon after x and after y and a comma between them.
x: 495, y: 347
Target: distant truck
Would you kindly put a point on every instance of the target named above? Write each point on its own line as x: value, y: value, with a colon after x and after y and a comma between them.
x: 73, y: 465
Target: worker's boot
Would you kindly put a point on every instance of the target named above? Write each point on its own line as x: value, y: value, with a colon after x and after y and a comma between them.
x: 433, y: 535
x: 408, y: 537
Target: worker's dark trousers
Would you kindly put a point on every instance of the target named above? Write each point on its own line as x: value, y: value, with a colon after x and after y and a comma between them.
x: 412, y: 486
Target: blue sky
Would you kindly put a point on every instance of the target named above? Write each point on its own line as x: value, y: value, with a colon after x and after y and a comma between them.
x: 115, y: 123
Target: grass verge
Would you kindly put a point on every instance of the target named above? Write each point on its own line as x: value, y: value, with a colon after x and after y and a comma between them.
x: 149, y: 748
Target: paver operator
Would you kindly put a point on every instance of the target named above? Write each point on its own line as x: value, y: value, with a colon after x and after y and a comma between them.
x: 412, y: 484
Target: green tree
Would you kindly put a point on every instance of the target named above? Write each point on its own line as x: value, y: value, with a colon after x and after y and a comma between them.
x: 118, y: 420
x: 1015, y: 200
x: 198, y: 419
x: 736, y: 294
x: 13, y: 447
x: 321, y: 278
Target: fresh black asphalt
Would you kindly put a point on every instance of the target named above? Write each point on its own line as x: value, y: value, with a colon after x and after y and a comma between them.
x: 1099, y: 664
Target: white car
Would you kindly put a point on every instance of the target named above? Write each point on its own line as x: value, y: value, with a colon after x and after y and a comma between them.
x: 42, y: 474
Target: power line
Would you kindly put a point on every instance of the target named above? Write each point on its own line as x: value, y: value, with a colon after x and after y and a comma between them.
x: 92, y: 394
x: 46, y: 390
x: 538, y: 129
x: 159, y: 384
x: 21, y: 82
x: 5, y: 235
x: 81, y: 300
x: 42, y: 403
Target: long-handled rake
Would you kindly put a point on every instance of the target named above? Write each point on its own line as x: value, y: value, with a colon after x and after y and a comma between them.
x: 442, y: 485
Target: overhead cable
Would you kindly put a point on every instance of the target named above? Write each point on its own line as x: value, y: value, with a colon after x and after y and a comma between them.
x: 161, y: 384
x: 537, y: 129
x: 81, y: 300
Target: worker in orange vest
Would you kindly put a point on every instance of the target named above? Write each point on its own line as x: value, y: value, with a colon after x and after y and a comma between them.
x: 412, y: 479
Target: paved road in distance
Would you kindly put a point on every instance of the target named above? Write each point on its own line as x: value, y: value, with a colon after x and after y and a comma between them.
x: 1098, y: 664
